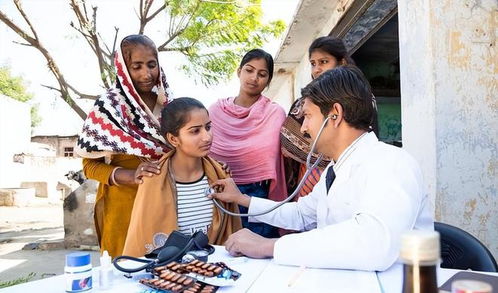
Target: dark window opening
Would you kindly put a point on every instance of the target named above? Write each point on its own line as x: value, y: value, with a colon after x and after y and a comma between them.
x: 69, y: 152
x: 378, y: 58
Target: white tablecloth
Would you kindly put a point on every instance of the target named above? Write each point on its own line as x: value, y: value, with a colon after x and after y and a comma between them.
x: 258, y: 275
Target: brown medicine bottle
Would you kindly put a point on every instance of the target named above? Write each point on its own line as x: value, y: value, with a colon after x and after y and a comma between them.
x: 420, y: 257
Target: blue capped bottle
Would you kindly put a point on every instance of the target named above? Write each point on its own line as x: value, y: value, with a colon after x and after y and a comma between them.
x: 78, y: 271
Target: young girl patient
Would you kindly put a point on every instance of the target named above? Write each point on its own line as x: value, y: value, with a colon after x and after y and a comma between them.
x: 175, y: 199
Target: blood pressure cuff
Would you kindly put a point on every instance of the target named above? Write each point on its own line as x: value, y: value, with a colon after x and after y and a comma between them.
x: 198, y: 241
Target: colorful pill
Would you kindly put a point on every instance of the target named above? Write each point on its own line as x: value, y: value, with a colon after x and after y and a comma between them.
x: 175, y: 277
x: 158, y: 269
x: 218, y: 270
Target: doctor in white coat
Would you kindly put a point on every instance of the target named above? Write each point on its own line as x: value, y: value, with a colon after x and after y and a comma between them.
x: 355, y: 215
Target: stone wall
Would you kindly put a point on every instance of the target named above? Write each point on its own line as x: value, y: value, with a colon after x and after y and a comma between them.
x: 79, y: 228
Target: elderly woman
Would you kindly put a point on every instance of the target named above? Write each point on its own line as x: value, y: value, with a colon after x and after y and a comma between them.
x: 121, y: 140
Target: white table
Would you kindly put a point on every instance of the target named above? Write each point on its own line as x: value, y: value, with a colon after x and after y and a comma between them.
x: 259, y: 275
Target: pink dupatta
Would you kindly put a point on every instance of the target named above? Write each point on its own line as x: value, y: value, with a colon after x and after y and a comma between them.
x: 247, y: 139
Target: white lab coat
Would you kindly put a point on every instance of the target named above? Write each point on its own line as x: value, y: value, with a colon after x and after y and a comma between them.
x: 376, y: 196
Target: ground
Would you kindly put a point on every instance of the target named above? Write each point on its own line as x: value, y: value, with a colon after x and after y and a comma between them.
x: 40, y: 224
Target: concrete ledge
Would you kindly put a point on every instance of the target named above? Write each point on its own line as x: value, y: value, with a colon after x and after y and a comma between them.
x: 20, y: 197
x: 40, y: 187
x: 6, y: 197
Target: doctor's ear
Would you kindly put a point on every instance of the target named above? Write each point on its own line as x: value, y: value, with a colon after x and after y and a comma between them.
x: 336, y: 114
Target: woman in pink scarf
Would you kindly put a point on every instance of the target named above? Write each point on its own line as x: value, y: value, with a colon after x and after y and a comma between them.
x: 246, y: 131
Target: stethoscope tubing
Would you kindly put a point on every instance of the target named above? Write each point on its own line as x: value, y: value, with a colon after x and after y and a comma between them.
x: 309, y: 169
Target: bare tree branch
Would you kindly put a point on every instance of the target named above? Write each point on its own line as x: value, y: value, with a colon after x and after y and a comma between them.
x: 156, y: 12
x: 144, y: 13
x: 16, y: 29
x: 141, y: 8
x: 23, y: 44
x: 51, y: 88
x: 83, y: 96
x: 88, y: 29
x: 179, y: 28
x: 114, y: 46
x: 21, y: 11
x: 162, y: 47
x: 63, y: 85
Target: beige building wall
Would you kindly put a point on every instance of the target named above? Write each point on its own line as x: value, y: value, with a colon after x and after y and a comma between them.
x: 292, y: 71
x: 449, y: 70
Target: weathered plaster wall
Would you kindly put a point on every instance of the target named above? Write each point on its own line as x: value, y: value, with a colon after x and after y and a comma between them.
x: 449, y: 70
x: 283, y: 91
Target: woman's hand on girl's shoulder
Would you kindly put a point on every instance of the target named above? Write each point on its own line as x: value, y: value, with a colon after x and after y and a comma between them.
x: 225, y: 167
x: 146, y: 169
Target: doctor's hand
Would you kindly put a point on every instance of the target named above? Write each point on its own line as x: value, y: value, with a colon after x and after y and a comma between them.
x: 245, y: 242
x: 227, y: 191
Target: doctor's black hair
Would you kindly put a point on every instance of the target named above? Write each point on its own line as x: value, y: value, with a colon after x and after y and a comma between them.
x: 347, y: 86
x: 176, y: 114
x: 259, y: 54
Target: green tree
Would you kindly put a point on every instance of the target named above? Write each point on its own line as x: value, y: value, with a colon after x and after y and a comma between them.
x: 14, y: 87
x: 211, y: 34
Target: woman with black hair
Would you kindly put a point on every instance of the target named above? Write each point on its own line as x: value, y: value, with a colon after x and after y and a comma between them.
x: 246, y: 135
x: 175, y: 198
x: 324, y: 53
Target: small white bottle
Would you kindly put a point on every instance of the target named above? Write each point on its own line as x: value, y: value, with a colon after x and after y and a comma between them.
x: 105, y: 274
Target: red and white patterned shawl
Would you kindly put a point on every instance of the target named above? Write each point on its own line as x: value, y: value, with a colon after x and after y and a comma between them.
x: 121, y: 123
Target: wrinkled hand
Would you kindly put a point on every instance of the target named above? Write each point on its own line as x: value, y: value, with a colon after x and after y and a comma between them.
x: 245, y: 242
x: 227, y: 191
x: 147, y: 169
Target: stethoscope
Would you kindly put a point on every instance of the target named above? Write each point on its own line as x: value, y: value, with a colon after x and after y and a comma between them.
x: 309, y: 169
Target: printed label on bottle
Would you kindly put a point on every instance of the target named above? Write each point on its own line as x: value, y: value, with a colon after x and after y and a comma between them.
x: 79, y: 282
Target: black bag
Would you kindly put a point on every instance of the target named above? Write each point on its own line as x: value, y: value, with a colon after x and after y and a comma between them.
x: 198, y: 241
x: 176, y: 246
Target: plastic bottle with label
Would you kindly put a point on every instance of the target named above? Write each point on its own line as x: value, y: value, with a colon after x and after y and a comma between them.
x: 78, y: 272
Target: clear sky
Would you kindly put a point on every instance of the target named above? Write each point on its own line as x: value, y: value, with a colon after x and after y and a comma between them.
x: 74, y: 57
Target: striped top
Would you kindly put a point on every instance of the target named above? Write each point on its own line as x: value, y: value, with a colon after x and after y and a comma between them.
x: 195, y: 210
x: 310, y: 182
